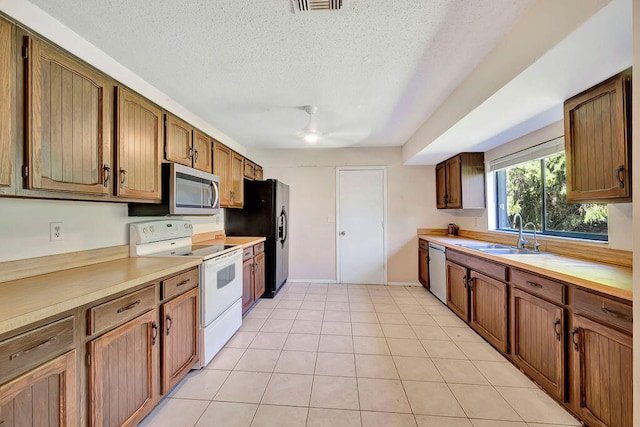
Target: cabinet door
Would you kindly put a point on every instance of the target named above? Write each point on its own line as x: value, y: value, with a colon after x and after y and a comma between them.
x: 602, y: 377
x: 259, y: 275
x: 6, y: 94
x: 441, y: 186
x: 489, y: 300
x: 457, y: 291
x: 597, y: 139
x: 222, y: 168
x: 137, y: 146
x: 67, y: 124
x: 237, y: 180
x: 44, y: 396
x: 454, y: 183
x: 538, y: 341
x: 423, y: 267
x: 178, y: 146
x: 202, y: 152
x: 248, y: 285
x: 249, y: 170
x: 123, y: 372
x: 259, y: 173
x: 180, y: 345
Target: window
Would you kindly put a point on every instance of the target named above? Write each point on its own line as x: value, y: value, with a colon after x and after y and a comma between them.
x: 536, y: 189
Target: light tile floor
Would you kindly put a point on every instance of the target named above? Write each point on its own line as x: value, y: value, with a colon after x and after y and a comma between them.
x: 356, y: 355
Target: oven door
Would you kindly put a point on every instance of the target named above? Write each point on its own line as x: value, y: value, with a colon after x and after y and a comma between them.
x: 220, y: 285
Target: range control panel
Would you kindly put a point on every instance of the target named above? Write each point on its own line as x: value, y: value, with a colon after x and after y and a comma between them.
x: 159, y: 230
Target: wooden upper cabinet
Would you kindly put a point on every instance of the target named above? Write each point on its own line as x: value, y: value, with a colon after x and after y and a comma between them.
x: 44, y: 396
x: 178, y: 142
x: 237, y: 180
x: 137, y: 147
x: 598, y: 142
x: 6, y: 94
x: 249, y: 170
x: 441, y: 186
x: 222, y: 168
x: 601, y: 377
x: 460, y: 182
x: 259, y: 173
x: 202, y: 152
x: 538, y: 341
x: 68, y: 117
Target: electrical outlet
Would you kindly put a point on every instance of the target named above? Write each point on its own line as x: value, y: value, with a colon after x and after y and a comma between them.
x: 56, y: 232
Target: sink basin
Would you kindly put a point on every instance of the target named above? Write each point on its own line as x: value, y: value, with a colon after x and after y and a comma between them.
x: 497, y: 249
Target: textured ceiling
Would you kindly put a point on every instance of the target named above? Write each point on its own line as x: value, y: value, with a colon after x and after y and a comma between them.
x: 376, y: 69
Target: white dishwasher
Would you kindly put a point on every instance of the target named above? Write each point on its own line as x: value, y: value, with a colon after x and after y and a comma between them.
x: 438, y: 272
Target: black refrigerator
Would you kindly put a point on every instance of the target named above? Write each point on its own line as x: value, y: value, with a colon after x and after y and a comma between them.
x: 265, y: 214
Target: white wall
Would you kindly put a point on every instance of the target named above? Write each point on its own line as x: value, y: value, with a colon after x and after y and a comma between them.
x: 311, y: 175
x: 87, y: 225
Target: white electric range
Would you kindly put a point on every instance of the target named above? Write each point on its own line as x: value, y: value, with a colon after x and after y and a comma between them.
x: 220, y: 276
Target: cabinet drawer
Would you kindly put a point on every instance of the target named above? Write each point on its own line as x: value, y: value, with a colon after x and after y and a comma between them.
x: 606, y: 310
x: 179, y: 284
x: 258, y: 249
x: 35, y: 347
x: 424, y: 244
x: 247, y: 253
x: 538, y: 285
x: 488, y: 268
x: 119, y: 310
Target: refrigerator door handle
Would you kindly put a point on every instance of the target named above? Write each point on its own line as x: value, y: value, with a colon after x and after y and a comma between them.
x: 285, y: 225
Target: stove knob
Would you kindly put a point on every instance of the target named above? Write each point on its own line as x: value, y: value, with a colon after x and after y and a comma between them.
x: 151, y: 229
x: 190, y: 226
x: 145, y: 231
x: 186, y: 225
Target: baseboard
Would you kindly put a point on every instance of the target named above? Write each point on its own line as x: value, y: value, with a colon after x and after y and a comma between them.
x: 310, y: 281
x: 404, y: 284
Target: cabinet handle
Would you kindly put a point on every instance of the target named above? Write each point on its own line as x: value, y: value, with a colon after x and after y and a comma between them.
x: 446, y: 199
x: 574, y: 331
x: 190, y: 153
x: 427, y: 259
x: 464, y: 281
x: 128, y: 307
x: 556, y: 323
x: 106, y: 169
x: 154, y: 333
x: 195, y: 156
x: 184, y: 282
x: 34, y: 348
x: 169, y: 323
x: 617, y: 315
x: 618, y: 172
x: 535, y: 285
x: 123, y: 177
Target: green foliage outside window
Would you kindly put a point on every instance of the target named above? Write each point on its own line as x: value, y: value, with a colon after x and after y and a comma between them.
x: 537, y: 190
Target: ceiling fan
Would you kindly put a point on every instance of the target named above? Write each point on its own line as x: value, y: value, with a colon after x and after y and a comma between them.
x: 310, y: 132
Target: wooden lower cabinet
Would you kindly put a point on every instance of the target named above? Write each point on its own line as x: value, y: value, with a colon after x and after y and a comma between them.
x: 180, y: 347
x: 423, y: 266
x: 602, y: 380
x: 538, y: 341
x: 457, y: 291
x: 123, y: 377
x: 44, y: 396
x: 253, y: 275
x: 489, y: 301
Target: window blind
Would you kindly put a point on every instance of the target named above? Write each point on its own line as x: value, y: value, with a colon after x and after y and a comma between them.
x: 533, y: 153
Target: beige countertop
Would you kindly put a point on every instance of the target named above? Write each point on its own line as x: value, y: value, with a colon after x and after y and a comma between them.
x: 35, y: 298
x: 609, y: 279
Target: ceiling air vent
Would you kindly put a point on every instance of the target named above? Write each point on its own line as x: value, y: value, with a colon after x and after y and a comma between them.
x: 311, y: 5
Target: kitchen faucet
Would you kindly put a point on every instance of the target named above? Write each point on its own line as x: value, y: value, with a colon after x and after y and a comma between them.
x: 536, y: 245
x: 521, y: 239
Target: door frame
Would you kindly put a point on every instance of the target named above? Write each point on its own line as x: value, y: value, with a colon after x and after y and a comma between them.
x: 384, y: 217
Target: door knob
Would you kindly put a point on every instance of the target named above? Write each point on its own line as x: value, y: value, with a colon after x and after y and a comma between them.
x: 342, y: 233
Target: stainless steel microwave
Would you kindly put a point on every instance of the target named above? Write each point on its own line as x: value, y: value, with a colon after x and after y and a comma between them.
x: 185, y: 191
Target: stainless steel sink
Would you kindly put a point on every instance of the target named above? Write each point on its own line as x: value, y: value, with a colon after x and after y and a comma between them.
x: 497, y: 249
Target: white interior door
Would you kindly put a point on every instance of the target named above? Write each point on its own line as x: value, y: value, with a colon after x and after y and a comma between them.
x: 360, y: 226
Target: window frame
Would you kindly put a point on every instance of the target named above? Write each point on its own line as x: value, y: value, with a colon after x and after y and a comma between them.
x: 502, y: 222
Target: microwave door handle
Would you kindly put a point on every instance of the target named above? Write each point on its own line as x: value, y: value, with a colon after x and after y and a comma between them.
x: 215, y: 189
